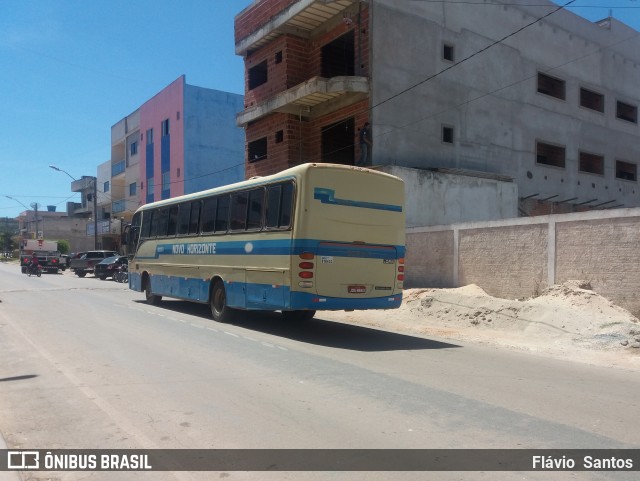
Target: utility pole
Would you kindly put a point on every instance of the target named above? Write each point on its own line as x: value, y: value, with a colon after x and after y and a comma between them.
x: 95, y: 213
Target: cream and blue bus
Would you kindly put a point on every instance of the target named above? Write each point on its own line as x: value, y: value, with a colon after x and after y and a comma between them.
x: 313, y: 237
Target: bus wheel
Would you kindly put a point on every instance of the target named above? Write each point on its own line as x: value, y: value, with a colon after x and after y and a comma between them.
x: 298, y: 316
x: 150, y: 296
x: 218, y: 302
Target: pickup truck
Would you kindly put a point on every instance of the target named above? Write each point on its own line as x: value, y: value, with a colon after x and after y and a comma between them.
x: 86, y: 264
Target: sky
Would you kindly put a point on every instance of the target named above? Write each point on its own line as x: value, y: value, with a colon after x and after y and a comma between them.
x: 70, y: 69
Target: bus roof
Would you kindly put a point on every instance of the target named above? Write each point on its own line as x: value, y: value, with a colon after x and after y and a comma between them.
x: 293, y: 172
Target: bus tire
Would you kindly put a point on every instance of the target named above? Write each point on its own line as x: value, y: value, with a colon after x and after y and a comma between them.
x: 218, y: 303
x: 151, y: 298
x: 298, y: 316
x: 81, y: 273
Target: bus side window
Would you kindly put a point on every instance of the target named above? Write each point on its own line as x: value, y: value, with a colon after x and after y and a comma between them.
x: 172, y: 221
x: 222, y: 214
x: 194, y: 222
x: 239, y: 205
x: 147, y: 220
x: 279, y: 203
x: 286, y: 205
x: 160, y: 225
x: 183, y: 218
x: 273, y: 206
x: 256, y: 207
x: 209, y: 214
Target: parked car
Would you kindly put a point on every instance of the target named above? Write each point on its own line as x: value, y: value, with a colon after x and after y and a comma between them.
x: 85, y: 264
x: 109, y: 266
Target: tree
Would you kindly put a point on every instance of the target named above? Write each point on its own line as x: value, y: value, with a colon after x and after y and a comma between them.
x: 63, y: 246
x: 6, y: 243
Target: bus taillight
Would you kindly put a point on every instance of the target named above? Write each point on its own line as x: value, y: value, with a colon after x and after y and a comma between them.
x: 307, y: 256
x: 306, y: 265
x: 306, y: 274
x: 400, y: 276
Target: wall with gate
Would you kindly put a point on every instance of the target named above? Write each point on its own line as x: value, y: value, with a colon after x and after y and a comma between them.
x: 520, y: 257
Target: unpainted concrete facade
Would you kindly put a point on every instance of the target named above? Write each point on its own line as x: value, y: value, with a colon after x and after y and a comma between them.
x: 487, y: 96
x: 435, y: 198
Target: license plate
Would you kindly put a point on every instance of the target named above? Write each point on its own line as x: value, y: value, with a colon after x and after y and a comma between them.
x: 357, y: 289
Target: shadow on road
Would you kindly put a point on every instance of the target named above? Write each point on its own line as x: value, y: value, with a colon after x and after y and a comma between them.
x: 316, y: 331
x: 18, y: 378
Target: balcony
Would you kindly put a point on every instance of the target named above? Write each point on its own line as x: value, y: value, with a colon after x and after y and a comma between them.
x: 118, y: 206
x: 313, y: 98
x: 301, y: 19
x: 85, y: 184
x: 118, y: 168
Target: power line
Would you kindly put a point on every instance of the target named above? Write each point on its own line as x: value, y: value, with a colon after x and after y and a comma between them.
x: 475, y: 54
x: 504, y: 87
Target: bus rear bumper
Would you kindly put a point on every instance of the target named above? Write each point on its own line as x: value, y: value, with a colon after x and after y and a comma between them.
x: 300, y: 300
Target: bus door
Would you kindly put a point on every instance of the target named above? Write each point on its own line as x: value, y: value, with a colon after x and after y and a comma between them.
x: 355, y: 270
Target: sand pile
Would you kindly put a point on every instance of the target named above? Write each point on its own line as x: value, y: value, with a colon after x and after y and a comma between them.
x: 569, y: 320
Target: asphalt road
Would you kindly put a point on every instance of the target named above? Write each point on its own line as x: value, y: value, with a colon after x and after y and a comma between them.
x: 87, y: 364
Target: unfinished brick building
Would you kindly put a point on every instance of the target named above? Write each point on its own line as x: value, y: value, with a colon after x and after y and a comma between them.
x: 306, y: 81
x: 533, y: 93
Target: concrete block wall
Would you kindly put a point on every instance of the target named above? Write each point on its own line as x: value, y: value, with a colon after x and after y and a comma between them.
x: 520, y: 257
x: 605, y: 252
x: 507, y: 262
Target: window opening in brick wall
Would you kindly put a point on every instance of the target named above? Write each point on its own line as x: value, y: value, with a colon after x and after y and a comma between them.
x: 548, y: 154
x: 279, y: 136
x: 338, y: 142
x: 592, y: 163
x: 447, y: 52
x: 447, y: 134
x: 627, y: 112
x: 626, y: 170
x: 257, y: 150
x: 591, y: 100
x: 338, y: 56
x: 165, y: 127
x: 278, y: 57
x: 552, y: 86
x: 258, y: 75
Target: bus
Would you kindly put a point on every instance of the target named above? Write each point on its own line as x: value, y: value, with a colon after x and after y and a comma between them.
x: 313, y: 237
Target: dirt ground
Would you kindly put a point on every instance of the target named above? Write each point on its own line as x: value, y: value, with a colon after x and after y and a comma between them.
x: 567, y: 321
